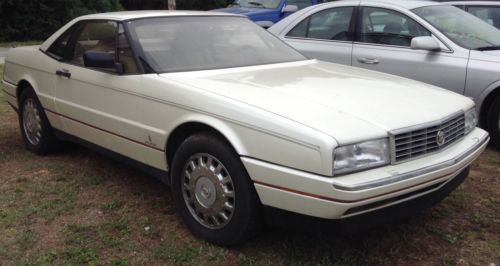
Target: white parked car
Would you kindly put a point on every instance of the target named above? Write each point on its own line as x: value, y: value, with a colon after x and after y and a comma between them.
x: 234, y: 120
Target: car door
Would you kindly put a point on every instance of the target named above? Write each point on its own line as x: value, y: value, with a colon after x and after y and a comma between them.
x: 100, y: 105
x: 383, y: 43
x: 325, y: 35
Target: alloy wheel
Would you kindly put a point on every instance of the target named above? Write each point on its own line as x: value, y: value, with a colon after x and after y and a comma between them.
x: 208, y: 191
x: 32, y: 122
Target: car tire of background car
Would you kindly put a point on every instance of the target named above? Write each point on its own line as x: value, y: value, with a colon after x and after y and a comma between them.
x: 36, y: 130
x: 212, y: 191
x: 493, y: 123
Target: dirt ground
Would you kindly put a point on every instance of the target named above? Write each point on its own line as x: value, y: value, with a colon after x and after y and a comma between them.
x: 78, y: 207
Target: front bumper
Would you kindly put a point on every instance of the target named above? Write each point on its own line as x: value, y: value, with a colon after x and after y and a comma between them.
x: 358, y: 193
x: 355, y: 224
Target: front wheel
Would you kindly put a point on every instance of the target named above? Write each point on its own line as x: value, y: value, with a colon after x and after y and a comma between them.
x: 36, y: 131
x: 213, y: 192
x: 493, y: 123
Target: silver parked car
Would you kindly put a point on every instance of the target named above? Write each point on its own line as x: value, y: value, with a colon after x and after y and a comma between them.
x: 488, y: 11
x: 428, y: 41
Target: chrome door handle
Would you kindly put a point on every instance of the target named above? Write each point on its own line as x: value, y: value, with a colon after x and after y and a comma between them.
x: 63, y: 73
x: 369, y: 61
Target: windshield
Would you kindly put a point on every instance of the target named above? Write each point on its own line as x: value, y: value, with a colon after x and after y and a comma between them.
x: 173, y: 44
x: 257, y: 3
x: 461, y: 27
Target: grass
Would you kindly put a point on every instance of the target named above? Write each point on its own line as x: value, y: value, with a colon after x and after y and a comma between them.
x: 77, y: 207
x: 3, y: 106
x: 181, y: 253
x: 16, y: 44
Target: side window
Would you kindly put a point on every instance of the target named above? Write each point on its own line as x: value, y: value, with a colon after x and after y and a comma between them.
x: 299, y: 3
x: 58, y: 47
x: 102, y: 36
x: 97, y: 36
x: 490, y: 15
x: 382, y: 26
x: 329, y: 24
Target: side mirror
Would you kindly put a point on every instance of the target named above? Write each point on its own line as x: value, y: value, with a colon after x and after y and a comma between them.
x: 425, y: 43
x: 290, y: 9
x: 101, y: 60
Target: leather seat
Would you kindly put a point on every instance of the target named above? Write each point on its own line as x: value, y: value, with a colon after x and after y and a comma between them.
x: 392, y: 35
x: 393, y: 27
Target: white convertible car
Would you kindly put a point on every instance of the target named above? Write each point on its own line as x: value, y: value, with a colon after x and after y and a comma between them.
x: 234, y: 119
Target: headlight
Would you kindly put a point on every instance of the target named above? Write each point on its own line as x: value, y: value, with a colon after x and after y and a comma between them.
x: 470, y: 120
x: 356, y: 157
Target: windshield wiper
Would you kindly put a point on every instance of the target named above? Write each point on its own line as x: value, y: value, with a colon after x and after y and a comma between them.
x: 489, y: 48
x: 256, y: 3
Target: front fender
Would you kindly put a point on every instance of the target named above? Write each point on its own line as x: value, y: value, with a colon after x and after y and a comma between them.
x: 30, y: 65
x: 215, y: 123
x: 258, y: 143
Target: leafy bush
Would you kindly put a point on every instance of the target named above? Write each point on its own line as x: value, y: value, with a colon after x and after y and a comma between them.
x: 23, y: 20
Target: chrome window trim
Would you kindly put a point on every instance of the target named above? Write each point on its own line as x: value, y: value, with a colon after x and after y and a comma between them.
x: 314, y: 39
x: 422, y: 171
x: 450, y: 51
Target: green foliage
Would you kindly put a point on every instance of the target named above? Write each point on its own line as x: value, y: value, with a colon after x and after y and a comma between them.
x: 23, y: 20
x: 181, y: 4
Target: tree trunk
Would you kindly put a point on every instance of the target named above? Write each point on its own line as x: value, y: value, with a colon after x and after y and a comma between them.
x: 171, y: 4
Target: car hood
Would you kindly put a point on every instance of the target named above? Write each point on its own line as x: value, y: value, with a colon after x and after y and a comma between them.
x: 491, y: 56
x: 247, y: 11
x: 349, y: 104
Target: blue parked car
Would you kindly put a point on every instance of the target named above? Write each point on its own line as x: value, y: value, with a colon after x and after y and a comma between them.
x: 267, y: 12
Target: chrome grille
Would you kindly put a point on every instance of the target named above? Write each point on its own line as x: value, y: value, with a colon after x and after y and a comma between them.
x: 420, y: 141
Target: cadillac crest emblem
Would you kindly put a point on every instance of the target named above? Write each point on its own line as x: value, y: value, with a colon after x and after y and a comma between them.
x: 440, y: 138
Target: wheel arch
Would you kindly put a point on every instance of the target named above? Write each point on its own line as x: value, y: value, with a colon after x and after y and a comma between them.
x: 21, y: 86
x: 488, y: 97
x: 192, y: 126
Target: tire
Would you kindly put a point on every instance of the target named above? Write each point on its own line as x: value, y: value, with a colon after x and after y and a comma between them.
x: 36, y: 131
x: 218, y: 202
x: 493, y: 123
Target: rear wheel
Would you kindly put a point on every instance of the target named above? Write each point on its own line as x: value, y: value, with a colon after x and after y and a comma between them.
x: 36, y: 131
x: 493, y: 122
x: 213, y: 192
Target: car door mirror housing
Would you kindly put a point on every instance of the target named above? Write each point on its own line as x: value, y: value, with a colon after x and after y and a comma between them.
x: 425, y: 43
x: 290, y: 9
x: 104, y: 60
